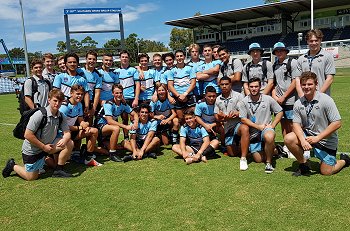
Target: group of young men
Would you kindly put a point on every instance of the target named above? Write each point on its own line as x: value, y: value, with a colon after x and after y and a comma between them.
x: 198, y: 106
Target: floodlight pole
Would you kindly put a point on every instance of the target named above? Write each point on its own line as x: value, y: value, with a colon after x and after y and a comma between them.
x: 300, y: 37
x: 24, y: 41
x: 312, y: 14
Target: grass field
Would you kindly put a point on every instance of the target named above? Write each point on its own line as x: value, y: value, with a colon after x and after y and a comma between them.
x: 166, y: 194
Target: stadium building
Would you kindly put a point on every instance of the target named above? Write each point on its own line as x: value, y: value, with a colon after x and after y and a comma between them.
x: 270, y: 23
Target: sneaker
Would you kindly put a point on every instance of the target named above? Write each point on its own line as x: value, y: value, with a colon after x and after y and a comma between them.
x: 189, y: 160
x: 115, y: 158
x: 41, y: 171
x: 346, y: 158
x: 92, y: 162
x: 243, y: 164
x: 6, y: 172
x: 281, y: 152
x: 223, y: 149
x: 127, y: 158
x: 204, y: 159
x: 152, y: 155
x: 269, y: 168
x: 61, y: 174
x: 303, y: 170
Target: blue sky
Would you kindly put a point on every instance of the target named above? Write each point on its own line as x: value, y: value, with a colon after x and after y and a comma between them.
x: 44, y: 19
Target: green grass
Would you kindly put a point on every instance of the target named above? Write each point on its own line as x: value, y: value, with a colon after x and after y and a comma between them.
x: 165, y: 194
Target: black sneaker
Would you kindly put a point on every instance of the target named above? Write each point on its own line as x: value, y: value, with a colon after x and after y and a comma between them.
x: 152, y: 155
x: 127, y: 158
x: 303, y: 170
x: 115, y: 158
x: 61, y: 174
x: 6, y: 172
x: 346, y: 158
x: 281, y: 152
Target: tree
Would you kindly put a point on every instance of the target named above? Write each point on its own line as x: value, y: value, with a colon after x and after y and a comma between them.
x: 132, y: 45
x: 180, y: 38
x: 113, y: 44
x: 271, y: 1
x: 16, y: 52
x: 151, y: 46
x: 61, y: 46
x: 88, y: 43
x: 75, y: 45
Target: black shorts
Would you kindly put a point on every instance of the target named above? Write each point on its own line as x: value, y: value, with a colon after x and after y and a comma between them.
x: 140, y: 143
x: 212, y: 136
x: 129, y: 102
x: 195, y: 148
x: 163, y: 129
x: 191, y: 101
x: 31, y: 159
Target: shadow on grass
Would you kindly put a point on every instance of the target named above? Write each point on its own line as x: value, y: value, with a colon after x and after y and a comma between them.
x: 314, y: 166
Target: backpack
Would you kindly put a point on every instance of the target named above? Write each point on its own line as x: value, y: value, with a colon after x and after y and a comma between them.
x: 21, y: 127
x: 263, y: 67
x: 222, y: 67
x: 21, y: 98
x: 288, y: 66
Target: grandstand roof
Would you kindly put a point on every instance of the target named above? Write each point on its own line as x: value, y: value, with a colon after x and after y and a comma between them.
x: 268, y: 10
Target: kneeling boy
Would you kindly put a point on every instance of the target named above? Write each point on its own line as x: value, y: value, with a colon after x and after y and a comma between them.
x: 199, y: 145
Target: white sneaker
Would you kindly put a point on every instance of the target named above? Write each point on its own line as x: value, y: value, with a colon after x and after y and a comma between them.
x: 243, y: 164
x: 307, y: 155
x: 41, y: 171
x: 268, y: 168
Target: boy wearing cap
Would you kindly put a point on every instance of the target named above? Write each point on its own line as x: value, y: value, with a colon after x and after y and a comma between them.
x: 318, y: 61
x: 284, y: 90
x: 315, y: 124
x: 258, y: 68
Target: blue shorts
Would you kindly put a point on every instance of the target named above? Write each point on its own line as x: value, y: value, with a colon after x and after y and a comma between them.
x: 288, y: 112
x: 257, y: 146
x: 232, y: 135
x: 325, y: 157
x: 33, y: 163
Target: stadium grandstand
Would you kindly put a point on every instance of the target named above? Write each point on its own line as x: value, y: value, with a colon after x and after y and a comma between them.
x: 270, y: 23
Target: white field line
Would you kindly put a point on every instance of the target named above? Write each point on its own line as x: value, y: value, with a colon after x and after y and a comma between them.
x: 5, y: 124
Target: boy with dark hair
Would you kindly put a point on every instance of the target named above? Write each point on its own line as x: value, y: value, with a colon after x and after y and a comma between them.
x: 109, y: 78
x: 255, y: 112
x: 143, y: 141
x: 39, y: 143
x: 199, y: 145
x: 204, y: 112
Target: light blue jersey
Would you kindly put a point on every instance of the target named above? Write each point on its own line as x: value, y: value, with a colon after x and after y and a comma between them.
x: 157, y: 74
x: 94, y: 80
x: 195, y: 136
x: 199, y: 84
x: 143, y: 129
x: 113, y: 110
x: 205, y: 112
x: 164, y: 75
x: 148, y: 82
x: 108, y: 79
x: 64, y: 82
x: 72, y: 112
x: 213, y: 79
x: 162, y: 108
x: 182, y: 78
x: 128, y: 78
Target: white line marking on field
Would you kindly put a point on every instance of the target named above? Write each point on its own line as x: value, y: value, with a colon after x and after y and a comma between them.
x: 7, y: 124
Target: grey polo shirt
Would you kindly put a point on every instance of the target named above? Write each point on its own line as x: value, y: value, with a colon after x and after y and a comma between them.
x: 321, y: 64
x: 49, y: 76
x: 259, y: 112
x: 227, y: 69
x: 316, y: 115
x: 256, y: 71
x: 41, y: 96
x: 227, y: 105
x: 47, y: 135
x: 284, y: 80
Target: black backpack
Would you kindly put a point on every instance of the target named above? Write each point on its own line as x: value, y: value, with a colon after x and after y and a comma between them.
x: 20, y: 128
x: 263, y: 67
x: 21, y: 98
x: 288, y: 66
x: 222, y: 67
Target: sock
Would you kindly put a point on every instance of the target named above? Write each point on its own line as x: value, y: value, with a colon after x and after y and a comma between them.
x: 112, y: 152
x: 243, y: 158
x: 208, y: 151
x: 59, y: 167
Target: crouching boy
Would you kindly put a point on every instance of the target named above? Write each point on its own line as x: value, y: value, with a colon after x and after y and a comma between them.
x: 143, y: 141
x: 39, y: 143
x: 199, y: 145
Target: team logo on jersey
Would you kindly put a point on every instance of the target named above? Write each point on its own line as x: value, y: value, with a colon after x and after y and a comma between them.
x: 117, y: 73
x: 65, y: 79
x: 175, y: 72
x: 129, y: 73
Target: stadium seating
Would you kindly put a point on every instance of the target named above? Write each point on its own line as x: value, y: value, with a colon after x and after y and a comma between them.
x: 8, y: 85
x: 346, y: 33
